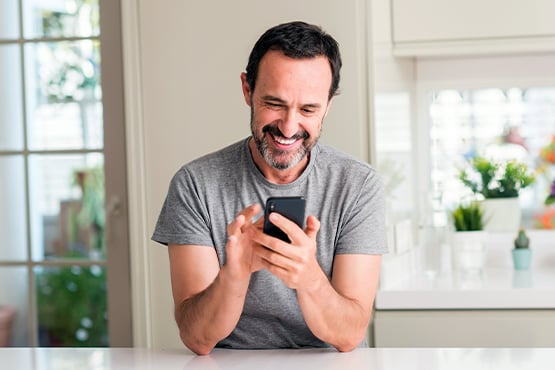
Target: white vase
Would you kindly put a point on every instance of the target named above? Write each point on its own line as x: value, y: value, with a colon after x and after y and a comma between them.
x: 468, y: 250
x: 501, y: 214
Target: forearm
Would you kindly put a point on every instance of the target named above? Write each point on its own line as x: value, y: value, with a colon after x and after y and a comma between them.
x: 334, y: 318
x: 211, y: 315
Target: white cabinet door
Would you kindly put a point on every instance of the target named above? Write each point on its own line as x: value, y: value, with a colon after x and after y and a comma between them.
x: 480, y: 328
x: 423, y: 27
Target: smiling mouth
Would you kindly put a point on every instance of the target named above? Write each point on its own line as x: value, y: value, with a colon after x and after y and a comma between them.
x: 280, y: 141
x: 284, y: 141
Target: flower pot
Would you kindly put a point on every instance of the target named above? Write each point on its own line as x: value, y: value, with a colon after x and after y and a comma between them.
x: 468, y: 250
x: 501, y: 214
x: 7, y: 316
x: 522, y: 257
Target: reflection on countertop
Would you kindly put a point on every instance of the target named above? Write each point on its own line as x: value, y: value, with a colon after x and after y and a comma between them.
x: 362, y: 358
x: 407, y: 281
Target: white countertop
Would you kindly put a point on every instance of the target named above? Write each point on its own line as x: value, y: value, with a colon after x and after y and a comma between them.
x: 367, y: 359
x: 405, y: 285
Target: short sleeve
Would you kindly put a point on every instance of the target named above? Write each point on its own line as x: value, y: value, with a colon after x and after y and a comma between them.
x: 183, y: 218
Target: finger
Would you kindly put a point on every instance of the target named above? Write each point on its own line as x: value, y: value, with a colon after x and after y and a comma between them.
x: 259, y: 224
x: 232, y: 241
x: 286, y: 225
x: 235, y: 226
x: 251, y: 211
x: 312, y: 226
x: 270, y: 258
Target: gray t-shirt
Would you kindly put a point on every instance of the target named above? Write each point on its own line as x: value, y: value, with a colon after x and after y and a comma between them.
x: 205, y: 195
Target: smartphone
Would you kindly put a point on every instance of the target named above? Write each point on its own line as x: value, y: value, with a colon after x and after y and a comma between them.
x: 291, y: 207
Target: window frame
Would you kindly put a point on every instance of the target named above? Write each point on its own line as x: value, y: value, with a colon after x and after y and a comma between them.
x: 467, y: 73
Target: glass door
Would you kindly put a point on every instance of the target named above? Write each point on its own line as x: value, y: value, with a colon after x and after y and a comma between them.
x: 54, y: 249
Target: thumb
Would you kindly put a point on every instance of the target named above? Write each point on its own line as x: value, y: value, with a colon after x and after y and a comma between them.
x: 312, y: 227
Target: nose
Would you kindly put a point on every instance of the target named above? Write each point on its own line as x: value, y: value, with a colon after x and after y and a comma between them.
x: 289, y: 125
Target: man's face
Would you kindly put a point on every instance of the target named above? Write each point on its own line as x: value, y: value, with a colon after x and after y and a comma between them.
x: 288, y: 106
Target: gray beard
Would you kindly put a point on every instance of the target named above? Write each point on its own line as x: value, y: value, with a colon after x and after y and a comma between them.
x: 263, y: 149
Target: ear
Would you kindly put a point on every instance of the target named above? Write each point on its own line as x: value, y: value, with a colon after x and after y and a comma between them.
x: 246, y: 88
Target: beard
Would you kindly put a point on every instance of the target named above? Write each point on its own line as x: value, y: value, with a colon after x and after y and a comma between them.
x: 281, y: 159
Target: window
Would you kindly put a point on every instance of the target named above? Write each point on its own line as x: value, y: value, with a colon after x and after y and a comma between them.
x: 502, y: 124
x: 439, y: 112
x: 53, y: 248
x: 393, y: 151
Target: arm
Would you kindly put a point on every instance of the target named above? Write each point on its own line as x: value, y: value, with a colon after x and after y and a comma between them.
x: 336, y: 311
x: 339, y: 312
x: 209, y: 300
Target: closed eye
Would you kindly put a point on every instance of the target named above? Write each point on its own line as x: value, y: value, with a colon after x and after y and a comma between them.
x: 273, y: 105
x: 310, y: 109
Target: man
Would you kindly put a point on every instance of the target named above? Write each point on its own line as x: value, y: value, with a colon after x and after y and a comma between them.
x: 236, y: 287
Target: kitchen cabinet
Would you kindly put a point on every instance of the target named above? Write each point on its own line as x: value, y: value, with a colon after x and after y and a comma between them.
x: 494, y: 307
x: 464, y: 328
x: 449, y: 27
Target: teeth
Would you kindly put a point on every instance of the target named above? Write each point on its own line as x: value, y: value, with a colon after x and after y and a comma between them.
x: 284, y: 141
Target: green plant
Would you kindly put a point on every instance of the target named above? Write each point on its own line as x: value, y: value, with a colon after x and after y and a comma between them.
x: 522, y: 241
x: 71, y: 69
x: 551, y: 196
x: 468, y: 217
x: 72, y: 306
x: 71, y: 301
x: 494, y: 179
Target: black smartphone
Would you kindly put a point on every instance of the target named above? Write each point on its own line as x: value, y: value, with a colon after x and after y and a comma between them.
x: 291, y: 207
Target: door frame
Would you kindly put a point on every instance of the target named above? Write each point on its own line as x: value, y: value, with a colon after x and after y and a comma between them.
x: 118, y: 280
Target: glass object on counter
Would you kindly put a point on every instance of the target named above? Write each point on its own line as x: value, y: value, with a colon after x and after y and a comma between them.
x: 432, y: 241
x: 468, y: 251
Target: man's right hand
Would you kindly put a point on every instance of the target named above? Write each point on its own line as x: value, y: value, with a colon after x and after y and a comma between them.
x: 209, y: 299
x: 241, y: 260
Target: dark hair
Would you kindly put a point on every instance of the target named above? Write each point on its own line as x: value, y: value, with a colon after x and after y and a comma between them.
x: 296, y: 40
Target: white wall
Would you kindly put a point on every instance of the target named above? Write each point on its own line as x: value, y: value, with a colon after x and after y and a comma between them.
x: 183, y: 99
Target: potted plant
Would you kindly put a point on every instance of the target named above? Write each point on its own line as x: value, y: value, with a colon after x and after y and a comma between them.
x: 521, y: 253
x: 7, y: 317
x: 468, y: 217
x: 468, y: 240
x: 498, y: 184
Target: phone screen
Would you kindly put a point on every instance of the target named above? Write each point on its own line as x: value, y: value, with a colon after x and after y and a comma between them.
x: 291, y: 207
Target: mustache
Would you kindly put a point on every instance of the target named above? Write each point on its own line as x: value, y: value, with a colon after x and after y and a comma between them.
x: 275, y: 131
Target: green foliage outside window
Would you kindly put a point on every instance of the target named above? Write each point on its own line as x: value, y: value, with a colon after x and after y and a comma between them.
x: 72, y: 307
x: 71, y: 301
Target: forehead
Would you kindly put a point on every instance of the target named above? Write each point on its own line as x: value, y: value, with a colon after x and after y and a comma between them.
x: 277, y: 71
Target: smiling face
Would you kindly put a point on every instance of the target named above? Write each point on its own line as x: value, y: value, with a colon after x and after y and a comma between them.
x: 288, y: 106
